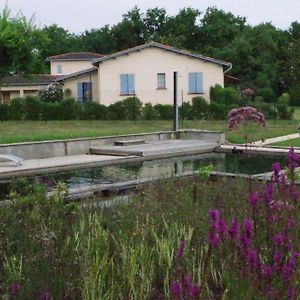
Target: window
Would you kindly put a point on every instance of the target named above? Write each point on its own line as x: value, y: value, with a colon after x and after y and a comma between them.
x: 84, y: 91
x: 59, y: 69
x: 127, y: 84
x: 195, y: 83
x: 161, y: 81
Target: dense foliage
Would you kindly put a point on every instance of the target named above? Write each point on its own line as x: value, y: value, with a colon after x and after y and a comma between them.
x: 263, y: 56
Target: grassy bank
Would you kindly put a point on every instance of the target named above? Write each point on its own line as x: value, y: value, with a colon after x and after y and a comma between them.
x: 23, y: 131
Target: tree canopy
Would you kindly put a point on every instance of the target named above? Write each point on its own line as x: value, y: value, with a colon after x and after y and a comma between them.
x: 263, y: 56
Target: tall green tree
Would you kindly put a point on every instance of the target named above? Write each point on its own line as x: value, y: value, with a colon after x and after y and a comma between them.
x: 18, y: 40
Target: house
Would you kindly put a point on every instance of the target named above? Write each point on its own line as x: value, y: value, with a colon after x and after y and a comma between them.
x: 23, y: 85
x: 61, y: 65
x: 146, y: 71
x: 68, y: 63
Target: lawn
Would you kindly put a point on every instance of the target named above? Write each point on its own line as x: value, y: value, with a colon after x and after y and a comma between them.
x: 289, y: 143
x: 23, y: 131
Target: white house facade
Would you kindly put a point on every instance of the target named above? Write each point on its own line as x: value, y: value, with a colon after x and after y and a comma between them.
x: 147, y: 71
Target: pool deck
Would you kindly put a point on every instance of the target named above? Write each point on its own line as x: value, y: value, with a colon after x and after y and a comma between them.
x: 153, y: 150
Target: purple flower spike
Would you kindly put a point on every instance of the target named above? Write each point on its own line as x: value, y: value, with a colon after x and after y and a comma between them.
x: 214, y: 214
x: 234, y: 229
x: 213, y: 240
x: 45, y: 296
x: 194, y: 290
x: 292, y: 295
x: 248, y: 228
x: 253, y: 198
x: 14, y: 288
x: 177, y: 289
x: 181, y: 249
x: 276, y: 168
x: 266, y: 271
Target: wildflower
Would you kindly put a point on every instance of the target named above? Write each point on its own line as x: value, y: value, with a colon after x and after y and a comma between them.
x: 278, y: 239
x: 14, y: 288
x: 277, y: 260
x: 252, y: 258
x: 291, y: 293
x: 214, y: 214
x: 234, y: 230
x: 244, y: 114
x: 266, y: 271
x: 276, y: 168
x: 186, y: 282
x: 293, y: 159
x: 268, y: 193
x: 177, y: 289
x: 248, y: 228
x: 253, y: 198
x: 294, y: 194
x: 290, y: 223
x: 194, y: 290
x: 222, y: 228
x: 213, y: 239
x: 45, y: 296
x: 181, y: 249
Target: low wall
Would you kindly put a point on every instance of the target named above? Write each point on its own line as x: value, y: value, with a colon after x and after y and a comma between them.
x: 44, y: 149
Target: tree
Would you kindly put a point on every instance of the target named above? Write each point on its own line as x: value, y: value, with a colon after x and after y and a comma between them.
x: 18, y: 39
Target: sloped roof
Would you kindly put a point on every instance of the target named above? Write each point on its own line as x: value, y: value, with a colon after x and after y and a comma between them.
x: 30, y: 79
x: 163, y: 47
x: 75, y: 56
x: 77, y: 74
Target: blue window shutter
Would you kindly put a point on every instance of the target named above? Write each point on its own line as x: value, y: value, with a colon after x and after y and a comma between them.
x: 199, y: 82
x: 192, y: 83
x: 79, y: 90
x: 130, y: 83
x: 124, y: 85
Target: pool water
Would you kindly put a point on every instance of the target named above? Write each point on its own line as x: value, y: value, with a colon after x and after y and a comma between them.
x: 232, y: 163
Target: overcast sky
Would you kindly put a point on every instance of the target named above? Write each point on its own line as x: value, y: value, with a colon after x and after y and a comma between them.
x: 77, y: 16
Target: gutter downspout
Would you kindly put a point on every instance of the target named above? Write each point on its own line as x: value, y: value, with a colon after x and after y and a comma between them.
x: 230, y: 67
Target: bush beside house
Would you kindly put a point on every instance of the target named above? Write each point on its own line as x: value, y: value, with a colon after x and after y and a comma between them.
x: 131, y: 108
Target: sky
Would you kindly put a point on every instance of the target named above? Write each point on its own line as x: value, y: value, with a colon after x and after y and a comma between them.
x: 78, y: 16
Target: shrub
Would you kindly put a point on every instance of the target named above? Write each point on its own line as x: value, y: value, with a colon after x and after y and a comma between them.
x: 67, y: 109
x: 51, y: 93
x: 200, y: 108
x: 283, y: 110
x: 165, y: 111
x: 50, y: 111
x: 16, y: 109
x: 294, y: 92
x: 4, y: 111
x: 224, y: 96
x: 132, y: 108
x: 32, y: 108
x: 116, y: 111
x: 267, y: 94
x: 93, y: 111
x: 148, y: 112
x: 186, y: 111
x: 268, y: 109
x: 219, y: 111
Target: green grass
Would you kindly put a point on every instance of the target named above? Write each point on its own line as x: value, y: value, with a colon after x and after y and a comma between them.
x: 24, y: 131
x: 289, y: 143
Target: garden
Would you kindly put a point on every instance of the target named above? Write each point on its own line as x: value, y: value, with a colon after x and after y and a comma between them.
x: 197, y: 237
